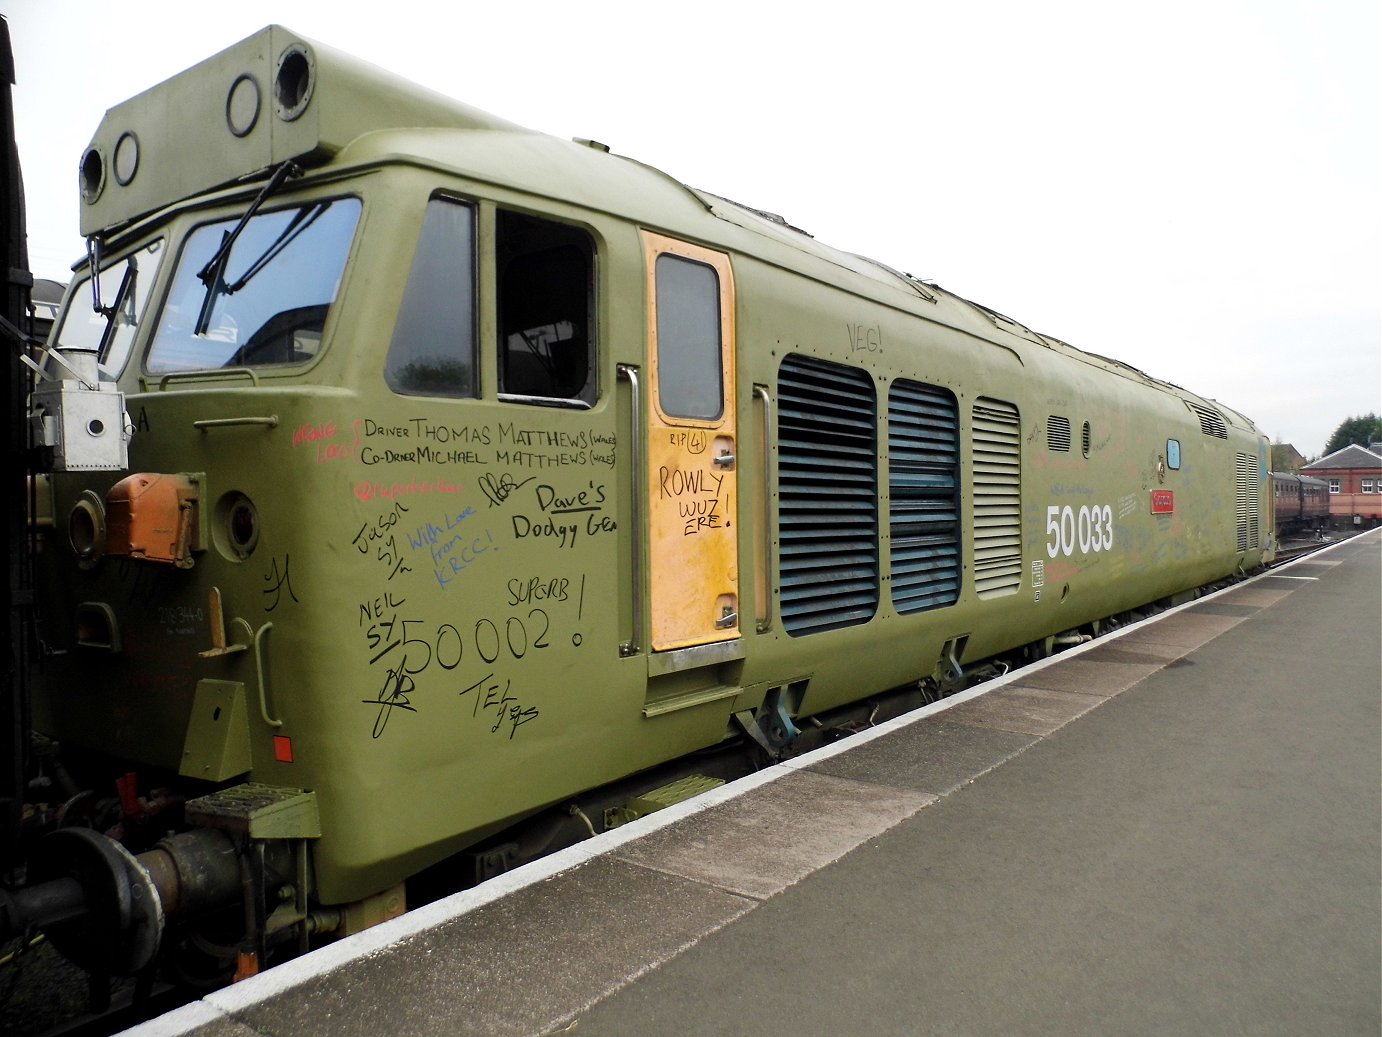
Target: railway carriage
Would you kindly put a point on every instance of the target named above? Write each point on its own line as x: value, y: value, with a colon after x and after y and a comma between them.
x: 1300, y: 502
x: 415, y: 474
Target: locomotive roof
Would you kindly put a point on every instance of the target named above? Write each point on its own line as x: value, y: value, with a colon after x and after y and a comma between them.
x: 589, y: 175
x: 277, y: 96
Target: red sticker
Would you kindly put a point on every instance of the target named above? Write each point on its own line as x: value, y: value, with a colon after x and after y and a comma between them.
x: 1163, y: 502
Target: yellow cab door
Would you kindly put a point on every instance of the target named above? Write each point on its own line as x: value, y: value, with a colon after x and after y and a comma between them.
x: 692, y: 487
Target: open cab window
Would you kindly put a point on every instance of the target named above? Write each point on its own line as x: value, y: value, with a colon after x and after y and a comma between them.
x: 545, y: 281
x: 265, y: 301
x: 546, y: 274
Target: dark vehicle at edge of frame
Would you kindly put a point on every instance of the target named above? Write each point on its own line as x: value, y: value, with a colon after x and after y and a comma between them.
x: 423, y: 493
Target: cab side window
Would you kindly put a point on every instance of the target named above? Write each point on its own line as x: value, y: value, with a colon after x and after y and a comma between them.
x: 546, y: 274
x: 434, y: 347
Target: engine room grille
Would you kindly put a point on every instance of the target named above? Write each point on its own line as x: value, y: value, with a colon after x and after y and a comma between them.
x: 923, y: 488
x: 1058, y: 433
x: 827, y: 495
x: 1249, y: 502
x: 1211, y: 421
x: 997, y: 498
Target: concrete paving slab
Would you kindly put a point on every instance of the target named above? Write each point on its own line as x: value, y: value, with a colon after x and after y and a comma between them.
x: 517, y: 966
x: 1312, y: 567
x: 1257, y: 594
x: 933, y: 756
x: 1133, y: 652
x: 1222, y: 608
x: 774, y: 836
x: 1023, y: 710
x: 1184, y: 629
x: 1088, y: 673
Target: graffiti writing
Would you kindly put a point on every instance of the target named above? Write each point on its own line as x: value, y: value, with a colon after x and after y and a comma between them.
x: 377, y: 537
x: 697, y: 495
x: 494, y: 699
x: 538, y: 588
x: 408, y: 648
x: 368, y: 491
x: 563, y: 516
x: 451, y: 549
x: 863, y: 338
x: 277, y: 584
x: 393, y: 695
x: 321, y: 437
x: 501, y: 487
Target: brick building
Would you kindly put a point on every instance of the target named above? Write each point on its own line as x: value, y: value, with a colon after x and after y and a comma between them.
x: 1354, y: 476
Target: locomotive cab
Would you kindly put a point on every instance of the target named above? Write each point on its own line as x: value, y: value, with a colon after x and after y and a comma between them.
x: 193, y: 354
x: 347, y: 390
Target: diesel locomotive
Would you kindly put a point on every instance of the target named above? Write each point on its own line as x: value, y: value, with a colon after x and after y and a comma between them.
x: 413, y: 476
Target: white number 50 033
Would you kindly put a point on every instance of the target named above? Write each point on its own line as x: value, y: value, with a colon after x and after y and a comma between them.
x: 1089, y: 529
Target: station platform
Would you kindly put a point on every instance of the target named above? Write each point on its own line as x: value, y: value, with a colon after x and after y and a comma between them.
x: 1173, y: 829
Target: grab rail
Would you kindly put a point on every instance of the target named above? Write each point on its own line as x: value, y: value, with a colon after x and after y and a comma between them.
x: 634, y: 645
x: 271, y: 420
x: 763, y: 595
x: 209, y: 374
x: 262, y: 672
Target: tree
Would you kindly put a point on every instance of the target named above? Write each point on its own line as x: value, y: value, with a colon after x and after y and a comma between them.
x: 1361, y: 430
x: 1286, y: 458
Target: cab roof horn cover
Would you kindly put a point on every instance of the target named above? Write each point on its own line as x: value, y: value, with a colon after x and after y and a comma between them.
x: 272, y: 97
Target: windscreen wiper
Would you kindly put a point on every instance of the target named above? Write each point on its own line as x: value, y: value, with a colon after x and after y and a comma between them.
x: 124, y: 300
x: 212, y: 275
x: 301, y: 220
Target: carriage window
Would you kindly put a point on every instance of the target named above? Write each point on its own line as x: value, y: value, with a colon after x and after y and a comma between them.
x: 690, y: 369
x: 546, y: 312
x: 433, y: 348
x: 257, y: 298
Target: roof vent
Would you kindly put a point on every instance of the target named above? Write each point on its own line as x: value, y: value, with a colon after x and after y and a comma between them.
x: 1211, y: 421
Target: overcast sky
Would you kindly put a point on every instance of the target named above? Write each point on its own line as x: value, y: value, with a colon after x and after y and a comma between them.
x: 1191, y: 187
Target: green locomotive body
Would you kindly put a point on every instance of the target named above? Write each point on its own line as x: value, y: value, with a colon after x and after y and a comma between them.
x: 476, y: 469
